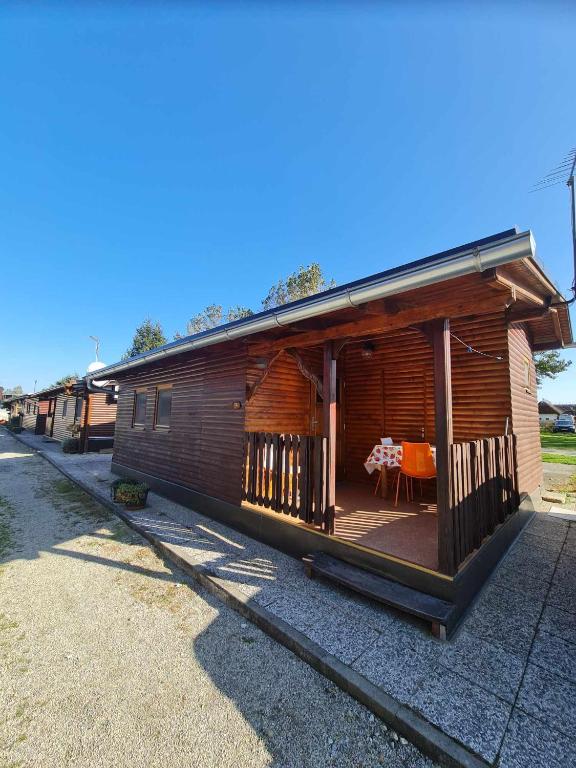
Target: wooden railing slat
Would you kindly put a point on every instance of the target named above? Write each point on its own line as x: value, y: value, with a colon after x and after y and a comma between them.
x: 483, y: 489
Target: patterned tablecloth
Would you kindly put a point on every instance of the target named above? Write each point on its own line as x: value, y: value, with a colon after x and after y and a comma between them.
x: 388, y: 456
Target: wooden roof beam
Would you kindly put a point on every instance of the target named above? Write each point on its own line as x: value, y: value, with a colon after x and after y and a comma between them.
x: 557, y: 326
x: 458, y: 307
x: 498, y: 280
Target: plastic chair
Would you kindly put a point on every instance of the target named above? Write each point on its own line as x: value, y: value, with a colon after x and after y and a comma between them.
x: 417, y: 462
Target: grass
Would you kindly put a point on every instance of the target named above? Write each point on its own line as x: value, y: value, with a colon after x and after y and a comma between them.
x: 73, y: 501
x: 561, y: 440
x: 558, y: 458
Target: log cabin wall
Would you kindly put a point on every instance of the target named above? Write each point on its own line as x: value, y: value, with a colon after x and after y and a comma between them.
x: 102, y: 415
x: 387, y: 395
x: 29, y: 408
x: 525, y: 420
x: 203, y: 448
x: 391, y: 394
x: 480, y: 385
x: 63, y: 416
x: 283, y: 402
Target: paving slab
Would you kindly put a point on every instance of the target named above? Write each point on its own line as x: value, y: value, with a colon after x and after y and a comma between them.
x: 490, y: 696
x: 474, y: 659
x: 548, y: 698
x: 454, y: 704
x: 529, y: 743
x: 555, y: 654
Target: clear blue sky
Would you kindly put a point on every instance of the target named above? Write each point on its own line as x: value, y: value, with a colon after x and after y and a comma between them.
x: 156, y: 158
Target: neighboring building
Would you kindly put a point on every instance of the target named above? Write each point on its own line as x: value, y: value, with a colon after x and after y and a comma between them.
x: 26, y: 407
x: 548, y: 412
x: 266, y: 422
x: 568, y: 408
x: 77, y: 409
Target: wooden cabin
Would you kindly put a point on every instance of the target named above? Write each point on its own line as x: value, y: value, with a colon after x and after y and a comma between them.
x: 90, y: 409
x: 275, y: 423
x: 25, y: 407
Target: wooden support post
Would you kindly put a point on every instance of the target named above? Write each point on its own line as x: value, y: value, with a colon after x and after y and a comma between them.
x: 86, y: 430
x: 444, y: 438
x: 329, y: 414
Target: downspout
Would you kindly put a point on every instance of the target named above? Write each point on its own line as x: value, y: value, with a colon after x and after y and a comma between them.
x: 85, y: 436
x: 91, y: 387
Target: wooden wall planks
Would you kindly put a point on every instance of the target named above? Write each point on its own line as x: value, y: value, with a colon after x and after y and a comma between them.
x: 283, y: 402
x: 525, y: 420
x: 102, y: 415
x: 203, y: 449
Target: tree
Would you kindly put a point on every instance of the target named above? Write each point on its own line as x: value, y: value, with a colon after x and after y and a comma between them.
x: 17, y: 390
x: 66, y: 380
x: 238, y: 313
x: 306, y: 281
x: 549, y: 365
x: 148, y: 336
x: 213, y: 316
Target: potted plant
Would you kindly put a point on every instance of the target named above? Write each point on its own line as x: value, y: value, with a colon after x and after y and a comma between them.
x: 132, y: 495
x: 71, y: 445
x: 117, y: 483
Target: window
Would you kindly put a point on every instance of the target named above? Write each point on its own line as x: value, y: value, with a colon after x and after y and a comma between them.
x: 27, y: 407
x: 163, y: 407
x: 65, y: 407
x: 78, y: 408
x: 139, y: 419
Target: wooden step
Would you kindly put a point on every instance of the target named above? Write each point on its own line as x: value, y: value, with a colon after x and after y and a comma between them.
x: 438, y: 612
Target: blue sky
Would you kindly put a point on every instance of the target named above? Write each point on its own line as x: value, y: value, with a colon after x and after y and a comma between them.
x: 160, y: 157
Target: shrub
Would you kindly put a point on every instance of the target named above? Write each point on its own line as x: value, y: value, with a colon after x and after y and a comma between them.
x: 117, y: 483
x: 71, y: 445
x: 132, y: 494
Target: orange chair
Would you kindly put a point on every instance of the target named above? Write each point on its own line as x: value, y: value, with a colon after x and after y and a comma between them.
x: 417, y: 462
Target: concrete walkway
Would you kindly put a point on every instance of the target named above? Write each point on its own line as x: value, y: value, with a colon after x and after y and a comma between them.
x: 504, y: 688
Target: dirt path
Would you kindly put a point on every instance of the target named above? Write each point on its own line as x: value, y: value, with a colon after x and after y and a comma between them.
x: 110, y: 656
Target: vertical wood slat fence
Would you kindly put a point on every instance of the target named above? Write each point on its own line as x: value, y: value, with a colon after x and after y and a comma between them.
x: 287, y: 474
x: 483, y: 490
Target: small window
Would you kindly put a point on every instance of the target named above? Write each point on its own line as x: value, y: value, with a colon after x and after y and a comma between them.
x: 139, y: 419
x: 27, y: 407
x: 78, y: 408
x: 65, y: 407
x: 163, y: 407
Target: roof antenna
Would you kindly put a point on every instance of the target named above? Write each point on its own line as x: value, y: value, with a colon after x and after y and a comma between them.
x: 557, y: 176
x: 96, y: 340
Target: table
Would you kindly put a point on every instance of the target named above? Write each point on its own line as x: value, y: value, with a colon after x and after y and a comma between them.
x: 385, y: 457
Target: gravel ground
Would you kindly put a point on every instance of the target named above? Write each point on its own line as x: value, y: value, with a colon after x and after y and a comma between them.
x: 111, y: 656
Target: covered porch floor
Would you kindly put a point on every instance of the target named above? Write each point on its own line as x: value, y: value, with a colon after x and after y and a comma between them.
x: 408, y: 531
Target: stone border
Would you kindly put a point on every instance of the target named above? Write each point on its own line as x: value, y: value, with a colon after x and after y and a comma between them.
x: 427, y: 737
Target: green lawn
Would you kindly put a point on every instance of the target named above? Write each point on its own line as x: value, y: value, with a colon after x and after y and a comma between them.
x: 560, y: 440
x: 558, y: 458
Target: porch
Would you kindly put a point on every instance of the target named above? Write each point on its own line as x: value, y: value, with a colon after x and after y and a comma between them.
x: 287, y: 476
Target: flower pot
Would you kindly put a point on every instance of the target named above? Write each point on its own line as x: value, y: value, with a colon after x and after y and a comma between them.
x: 116, y: 484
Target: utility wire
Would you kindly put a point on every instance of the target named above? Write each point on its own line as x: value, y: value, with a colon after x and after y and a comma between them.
x: 469, y: 348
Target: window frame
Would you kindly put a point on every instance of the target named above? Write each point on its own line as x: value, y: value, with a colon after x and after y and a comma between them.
x: 65, y: 407
x: 137, y: 392
x: 162, y: 388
